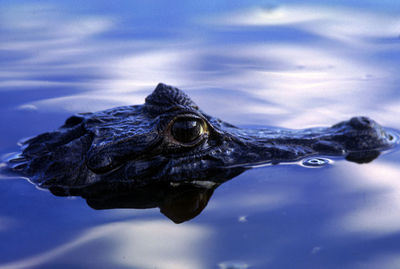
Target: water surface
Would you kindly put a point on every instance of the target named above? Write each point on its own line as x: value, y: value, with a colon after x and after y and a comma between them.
x: 275, y: 63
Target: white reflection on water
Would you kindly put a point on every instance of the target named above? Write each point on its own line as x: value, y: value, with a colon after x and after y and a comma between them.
x: 84, y: 103
x: 312, y: 78
x: 40, y: 40
x: 145, y: 69
x: 379, y: 213
x: 34, y: 19
x: 281, y: 82
x: 337, y: 23
x: 139, y: 244
x: 259, y: 201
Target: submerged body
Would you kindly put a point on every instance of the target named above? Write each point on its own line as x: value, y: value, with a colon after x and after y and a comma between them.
x: 169, y: 139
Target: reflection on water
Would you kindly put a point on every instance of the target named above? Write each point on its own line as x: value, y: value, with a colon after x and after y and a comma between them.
x: 344, y: 24
x: 382, y: 178
x: 317, y: 73
x: 135, y: 244
x: 282, y: 65
x: 178, y: 203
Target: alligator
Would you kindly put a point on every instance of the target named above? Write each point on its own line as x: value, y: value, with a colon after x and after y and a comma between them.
x: 169, y: 141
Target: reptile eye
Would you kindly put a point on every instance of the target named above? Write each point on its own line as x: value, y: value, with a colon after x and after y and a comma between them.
x: 187, y: 130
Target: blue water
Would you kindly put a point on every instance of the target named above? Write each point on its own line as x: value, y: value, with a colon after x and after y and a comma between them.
x: 276, y: 63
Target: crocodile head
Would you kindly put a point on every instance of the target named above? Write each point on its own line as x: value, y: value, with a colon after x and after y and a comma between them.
x: 169, y: 139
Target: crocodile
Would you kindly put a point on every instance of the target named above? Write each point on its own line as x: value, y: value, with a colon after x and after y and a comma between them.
x: 169, y: 140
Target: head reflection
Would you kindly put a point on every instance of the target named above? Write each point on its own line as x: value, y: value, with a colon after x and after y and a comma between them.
x: 180, y: 202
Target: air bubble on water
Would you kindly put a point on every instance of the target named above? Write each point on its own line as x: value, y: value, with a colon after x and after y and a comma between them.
x: 315, y: 162
x: 393, y: 137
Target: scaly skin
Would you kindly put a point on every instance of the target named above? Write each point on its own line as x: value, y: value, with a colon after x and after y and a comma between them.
x: 132, y: 146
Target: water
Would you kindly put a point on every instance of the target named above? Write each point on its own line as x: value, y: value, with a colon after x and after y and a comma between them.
x: 275, y: 63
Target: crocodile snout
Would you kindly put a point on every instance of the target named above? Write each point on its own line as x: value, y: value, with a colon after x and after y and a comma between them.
x: 362, y: 123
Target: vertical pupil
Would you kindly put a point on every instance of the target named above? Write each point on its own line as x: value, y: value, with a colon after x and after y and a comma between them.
x: 186, y: 130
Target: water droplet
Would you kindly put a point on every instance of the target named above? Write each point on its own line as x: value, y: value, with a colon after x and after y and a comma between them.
x: 316, y: 250
x: 242, y: 219
x: 316, y: 162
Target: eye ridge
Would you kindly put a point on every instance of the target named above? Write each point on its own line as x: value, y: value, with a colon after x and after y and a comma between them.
x: 187, y: 130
